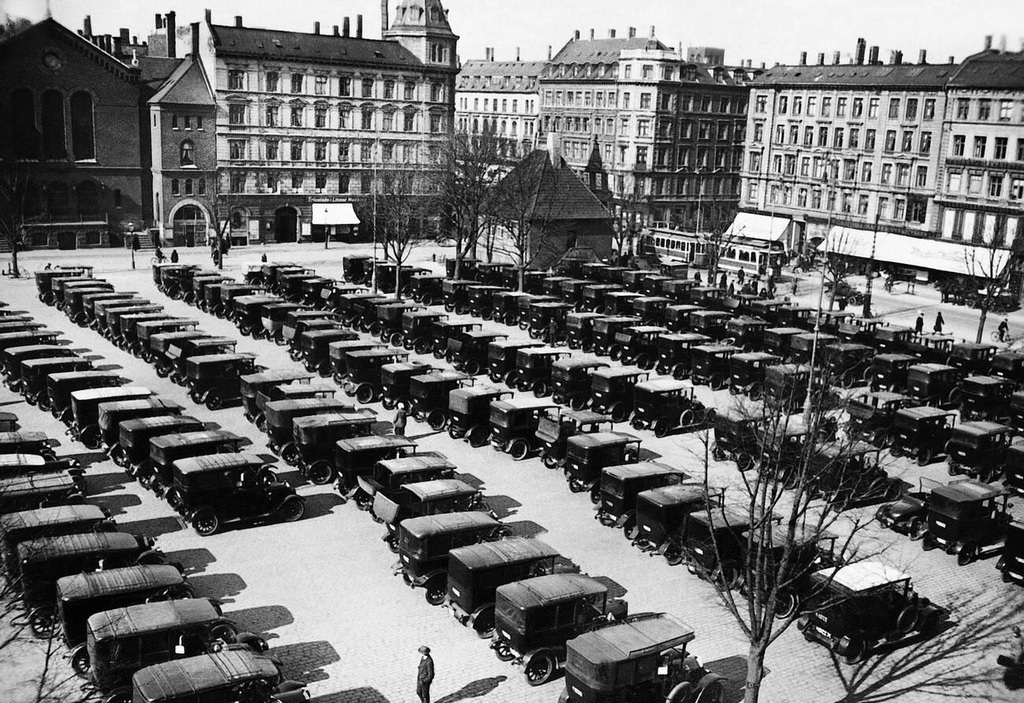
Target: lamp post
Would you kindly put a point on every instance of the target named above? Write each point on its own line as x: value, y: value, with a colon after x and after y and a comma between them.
x: 133, y: 241
x: 866, y: 312
x: 808, y: 405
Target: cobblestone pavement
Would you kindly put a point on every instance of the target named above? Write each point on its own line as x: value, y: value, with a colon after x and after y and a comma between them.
x: 321, y: 589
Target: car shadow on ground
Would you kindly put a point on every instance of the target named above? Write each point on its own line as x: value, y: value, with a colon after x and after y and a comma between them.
x: 525, y: 528
x: 502, y: 506
x: 320, y: 504
x: 86, y: 459
x: 734, y: 670
x: 105, y: 483
x: 115, y: 504
x: 305, y: 661
x: 474, y: 689
x: 648, y: 455
x: 222, y: 587
x: 154, y: 527
x: 363, y: 694
x: 195, y: 560
x: 262, y: 619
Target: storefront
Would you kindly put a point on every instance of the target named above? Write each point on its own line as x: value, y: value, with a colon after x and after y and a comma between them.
x: 334, y: 221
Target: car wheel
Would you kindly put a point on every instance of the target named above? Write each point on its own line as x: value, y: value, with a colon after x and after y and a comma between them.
x: 755, y: 391
x: 174, y: 498
x: 42, y: 622
x: 619, y: 411
x: 388, y: 403
x: 205, y: 522
x: 456, y: 431
x: 786, y: 605
x: 717, y: 382
x: 291, y: 454
x: 292, y: 509
x: 118, y: 456
x: 615, y: 353
x: 713, y: 692
x: 967, y: 554
x: 680, y: 371
x: 576, y: 485
x: 578, y: 402
x: 503, y: 651
x: 214, y: 401
x: 549, y: 461
x: 473, y: 367
x: 79, y: 660
x: 483, y: 622
x: 435, y: 590
x: 661, y: 427
x: 918, y: 529
x: 518, y: 449
x: 541, y: 389
x: 324, y: 369
x: 437, y: 419
x: 479, y: 436
x: 512, y: 378
x: 630, y: 528
x: 320, y: 473
x: 856, y: 648
x: 366, y: 394
x: 90, y: 437
x: 539, y: 668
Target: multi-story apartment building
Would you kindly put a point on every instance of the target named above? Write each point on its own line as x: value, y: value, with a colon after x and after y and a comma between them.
x: 981, y: 189
x: 666, y: 131
x: 312, y: 122
x: 850, y: 145
x: 502, y: 97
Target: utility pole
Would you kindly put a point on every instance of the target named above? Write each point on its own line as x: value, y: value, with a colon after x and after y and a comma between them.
x: 866, y: 312
x: 808, y: 402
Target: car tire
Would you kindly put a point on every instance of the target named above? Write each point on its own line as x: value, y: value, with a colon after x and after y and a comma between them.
x: 473, y: 367
x: 539, y: 668
x: 437, y: 419
x: 42, y: 622
x: 579, y: 402
x: 661, y: 427
x: 482, y: 621
x: 320, y: 473
x: 855, y: 648
x: 366, y: 393
x: 205, y: 522
x: 79, y: 660
x: 620, y: 412
x: 292, y: 509
x: 717, y: 382
x: 786, y: 605
x: 290, y: 454
x: 713, y: 692
x: 541, y: 389
x: 214, y: 401
x: 435, y: 589
x: 503, y: 651
x: 549, y: 461
x: 120, y: 695
x: 479, y: 436
x: 968, y: 553
x: 630, y: 528
x: 518, y: 449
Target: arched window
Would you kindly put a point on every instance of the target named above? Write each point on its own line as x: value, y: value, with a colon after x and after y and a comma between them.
x: 237, y: 219
x: 187, y: 155
x: 23, y: 123
x: 83, y: 141
x: 54, y: 133
x: 87, y: 195
x: 57, y: 200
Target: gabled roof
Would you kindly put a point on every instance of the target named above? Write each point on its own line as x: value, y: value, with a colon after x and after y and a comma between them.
x: 421, y: 15
x: 923, y: 76
x: 603, y: 50
x: 322, y: 48
x: 990, y: 69
x: 52, y: 27
x: 553, y: 191
x: 187, y: 85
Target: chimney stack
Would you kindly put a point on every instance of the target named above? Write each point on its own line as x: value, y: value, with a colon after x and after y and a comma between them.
x: 87, y: 26
x: 872, y: 57
x: 209, y: 16
x: 899, y: 58
x: 125, y: 36
x: 383, y: 16
x: 652, y: 31
x: 159, y: 22
x: 337, y: 31
x: 116, y: 51
x: 861, y: 45
x: 359, y: 26
x: 803, y: 58
x: 576, y: 35
x: 238, y: 20
x: 952, y: 60
x: 517, y: 54
x: 611, y: 33
x: 316, y: 28
x: 591, y: 35
x: 835, y: 58
x: 632, y: 32
x: 821, y: 58
x: 345, y: 27
x: 195, y: 40
x: 172, y: 36
x: 922, y: 57
x: 988, y: 42
x: 549, y: 52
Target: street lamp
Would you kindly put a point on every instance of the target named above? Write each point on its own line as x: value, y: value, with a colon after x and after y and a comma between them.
x: 821, y: 291
x: 132, y: 241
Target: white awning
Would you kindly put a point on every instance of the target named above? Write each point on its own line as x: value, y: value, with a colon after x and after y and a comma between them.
x: 754, y: 226
x: 334, y: 214
x: 914, y: 252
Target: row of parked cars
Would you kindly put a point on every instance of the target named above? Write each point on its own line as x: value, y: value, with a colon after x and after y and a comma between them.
x: 128, y: 617
x: 654, y: 504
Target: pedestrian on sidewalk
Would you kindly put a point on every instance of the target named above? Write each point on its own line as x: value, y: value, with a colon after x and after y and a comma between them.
x: 424, y: 675
x: 938, y: 322
x: 174, y: 256
x: 1004, y: 330
x: 401, y: 417
x: 919, y: 324
x: 1017, y: 646
x: 552, y: 331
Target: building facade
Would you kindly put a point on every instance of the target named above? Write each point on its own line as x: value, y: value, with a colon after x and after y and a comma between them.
x: 309, y: 119
x: 502, y: 97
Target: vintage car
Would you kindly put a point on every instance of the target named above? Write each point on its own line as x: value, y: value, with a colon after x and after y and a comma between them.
x: 299, y: 322
x: 160, y: 352
x: 845, y: 363
x: 315, y: 345
x: 34, y: 373
x: 39, y: 490
x: 11, y: 360
x: 533, y: 369
x: 891, y: 340
x: 1009, y: 365
x: 74, y: 304
x: 555, y: 426
x: 579, y: 328
x: 132, y: 450
x: 935, y: 384
x: 586, y: 455
x: 456, y: 295
x: 678, y: 288
x: 611, y: 390
x: 476, y: 571
x: 711, y: 364
x: 889, y: 371
x: 26, y: 338
x: 978, y: 449
x: 469, y: 413
x: 535, y: 617
x: 677, y: 317
x: 429, y: 395
x: 501, y: 359
x: 388, y: 325
x: 445, y: 330
x: 314, y: 437
x: 273, y: 318
x: 359, y: 310
x: 418, y: 328
x: 357, y: 456
x: 592, y: 297
x: 985, y: 398
x: 620, y: 486
x: 196, y: 294
x: 849, y: 475
x: 338, y: 353
x: 571, y: 380
x: 1011, y: 563
x: 357, y: 268
x: 857, y: 606
x: 638, y: 345
x: 930, y: 348
x: 506, y: 306
x: 514, y: 425
x: 1014, y: 468
x: 1017, y: 410
x: 872, y: 415
x: 425, y: 288
x: 908, y: 514
x: 395, y: 380
x: 675, y: 353
x: 779, y: 341
x: 736, y: 437
x: 746, y: 332
x: 250, y: 385
x: 247, y: 313
x: 280, y: 413
x: 468, y: 351
x: 111, y: 415
x: 708, y: 297
x: 651, y: 309
x: 785, y: 386
x: 711, y: 323
x: 389, y: 475
x: 859, y: 330
x: 971, y: 358
x: 213, y: 379
x: 642, y: 659
x: 209, y: 490
x: 147, y: 329
x: 667, y: 405
x: 712, y: 544
x: 364, y: 370
x: 84, y: 425
x: 45, y: 279
x: 605, y: 328
x: 166, y: 449
x: 184, y: 348
x: 422, y: 498
x: 967, y: 518
x: 542, y: 315
x: 425, y: 542
x: 494, y: 273
x: 747, y: 373
x: 21, y: 526
x: 222, y: 676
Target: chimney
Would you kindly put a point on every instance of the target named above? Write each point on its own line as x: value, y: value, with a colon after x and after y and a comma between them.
x: 172, y: 36
x: 611, y: 33
x: 238, y: 20
x: 632, y: 32
x: 762, y: 65
x: 952, y: 60
x: 549, y: 52
x: 821, y: 58
x: 337, y: 32
x: 316, y: 28
x: 359, y: 26
x: 803, y: 58
x: 872, y: 56
x: 591, y: 35
x: 159, y: 22
x: 209, y: 16
x: 87, y: 26
x: 517, y: 54
x: 576, y: 35
x: 552, y: 148
x: 116, y: 51
x: 922, y: 57
x: 835, y: 58
x: 108, y: 44
x: 195, y: 40
x: 345, y: 27
x: 861, y: 45
x: 383, y: 17
x: 125, y: 36
x: 652, y: 31
x: 899, y: 58
x: 988, y: 42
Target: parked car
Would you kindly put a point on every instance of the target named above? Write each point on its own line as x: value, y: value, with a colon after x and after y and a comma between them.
x: 395, y: 380
x: 468, y: 351
x: 84, y: 424
x: 24, y: 525
x: 908, y: 514
x: 251, y: 384
x: 534, y: 368
x: 978, y: 449
x: 34, y: 373
x: 747, y: 373
x: 985, y: 398
x: 166, y: 449
x: 921, y: 433
x: 666, y: 406
x: 132, y: 449
x: 281, y: 413
x: 711, y: 365
x: 213, y: 379
x: 1009, y: 365
x: 555, y: 426
x: 514, y: 425
x: 111, y: 415
x: 849, y: 475
x: 675, y: 353
x: 736, y: 437
x: 889, y: 371
x: 501, y: 360
x: 972, y: 358
x: 412, y: 500
x: 388, y: 475
x: 968, y: 519
x: 571, y: 380
x: 469, y: 412
x: 339, y: 351
x: 314, y: 438
x: 872, y: 415
x: 1011, y: 563
x: 219, y: 676
x: 612, y: 390
x: 356, y: 456
x: 586, y: 455
x: 429, y: 395
x: 620, y: 486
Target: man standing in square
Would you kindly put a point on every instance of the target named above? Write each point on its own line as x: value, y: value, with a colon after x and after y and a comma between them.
x: 425, y: 675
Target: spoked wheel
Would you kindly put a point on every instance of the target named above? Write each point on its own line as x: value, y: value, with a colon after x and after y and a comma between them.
x: 503, y: 651
x: 549, y: 461
x: 714, y: 692
x: 478, y: 436
x: 786, y: 605
x: 436, y: 589
x: 292, y: 509
x: 630, y: 528
x: 456, y: 431
x: 320, y: 473
x: 473, y: 367
x: 42, y: 622
x: 80, y: 663
x: 118, y: 456
x: 674, y: 555
x: 366, y: 393
x: 90, y: 437
x: 539, y: 668
x: 214, y: 400
x: 576, y: 485
x: 483, y: 622
x: 437, y: 419
x: 578, y: 402
x: 918, y: 529
x: 291, y: 454
x: 205, y: 522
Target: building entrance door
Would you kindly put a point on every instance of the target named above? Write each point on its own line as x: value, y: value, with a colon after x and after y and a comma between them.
x: 286, y: 224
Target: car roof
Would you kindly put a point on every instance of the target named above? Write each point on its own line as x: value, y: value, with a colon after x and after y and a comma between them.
x: 505, y: 551
x: 553, y: 588
x: 150, y: 617
x: 419, y: 462
x: 373, y: 441
x: 531, y: 351
x: 754, y: 356
x: 672, y: 495
x: 21, y: 459
x: 214, y: 358
x: 662, y: 385
x: 930, y: 367
x: 442, y: 377
x: 191, y: 437
x: 863, y: 575
x: 597, y: 439
x: 724, y: 516
x: 216, y: 462
x: 514, y: 343
x: 477, y: 392
x: 986, y: 380
x: 111, y: 392
x: 112, y: 581
x: 342, y: 418
x: 585, y: 417
x: 922, y: 412
x: 192, y: 675
x: 426, y: 525
x: 439, y: 488
x: 56, y: 515
x: 620, y: 371
x: 9, y: 437
x: 623, y: 641
x: 968, y: 491
x: 645, y: 329
x: 641, y: 469
x: 159, y: 421
x: 784, y: 330
x: 981, y: 428
x: 485, y: 334
x: 277, y: 375
x: 578, y: 362
x: 43, y: 548
x: 717, y: 348
x: 884, y: 396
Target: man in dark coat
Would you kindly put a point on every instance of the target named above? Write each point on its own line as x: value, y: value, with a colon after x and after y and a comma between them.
x: 938, y: 323
x: 400, y: 421
x: 919, y: 323
x: 425, y: 675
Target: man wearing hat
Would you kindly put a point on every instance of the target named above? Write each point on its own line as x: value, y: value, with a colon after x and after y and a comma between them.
x: 425, y: 675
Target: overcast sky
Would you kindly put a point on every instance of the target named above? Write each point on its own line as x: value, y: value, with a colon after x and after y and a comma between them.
x: 763, y: 30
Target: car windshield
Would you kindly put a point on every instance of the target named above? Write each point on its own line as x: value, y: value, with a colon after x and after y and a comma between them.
x: 507, y: 613
x: 500, y: 417
x: 944, y: 506
x: 600, y: 383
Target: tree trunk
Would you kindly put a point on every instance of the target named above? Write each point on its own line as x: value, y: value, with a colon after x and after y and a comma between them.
x: 522, y: 279
x: 15, y: 271
x: 398, y: 280
x: 755, y: 673
x: 981, y: 323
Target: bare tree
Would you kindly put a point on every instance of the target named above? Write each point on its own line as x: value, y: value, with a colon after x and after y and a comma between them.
x: 988, y: 267
x: 20, y: 206
x: 403, y: 214
x: 715, y: 235
x: 631, y: 214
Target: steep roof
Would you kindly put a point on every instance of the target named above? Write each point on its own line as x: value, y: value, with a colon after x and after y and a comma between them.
x: 490, y: 76
x: 187, y: 85
x: 990, y: 69
x: 882, y: 75
x: 552, y: 191
x: 603, y: 50
x: 421, y: 15
x: 321, y: 48
x: 52, y: 28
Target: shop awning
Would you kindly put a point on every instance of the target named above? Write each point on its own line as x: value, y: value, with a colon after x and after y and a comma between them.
x: 914, y: 252
x: 754, y: 226
x: 334, y: 214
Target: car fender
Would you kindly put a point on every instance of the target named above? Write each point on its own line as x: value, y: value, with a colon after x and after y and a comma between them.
x: 709, y: 678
